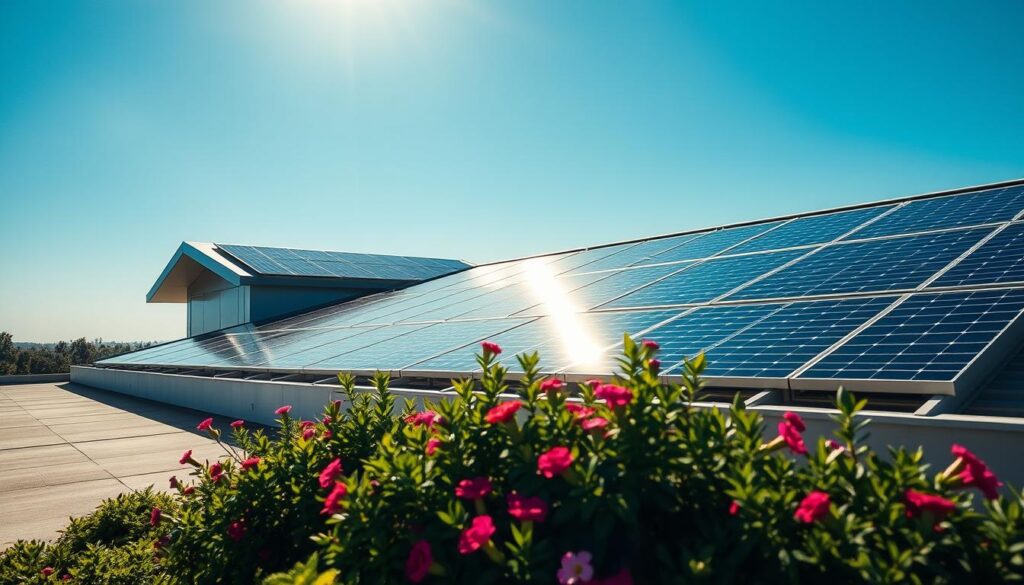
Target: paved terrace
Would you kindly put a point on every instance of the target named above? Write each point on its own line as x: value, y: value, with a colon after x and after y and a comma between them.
x: 64, y: 448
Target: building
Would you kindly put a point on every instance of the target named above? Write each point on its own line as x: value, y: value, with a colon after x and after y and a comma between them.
x: 914, y: 303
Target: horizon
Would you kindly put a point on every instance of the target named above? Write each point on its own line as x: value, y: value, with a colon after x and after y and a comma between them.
x: 392, y: 128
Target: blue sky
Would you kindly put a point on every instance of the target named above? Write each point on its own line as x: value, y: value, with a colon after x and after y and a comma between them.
x: 462, y: 128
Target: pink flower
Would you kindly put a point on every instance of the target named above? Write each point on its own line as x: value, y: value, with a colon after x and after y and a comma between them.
x: 473, y: 489
x: 614, y: 396
x: 579, y: 410
x: 834, y: 445
x: 66, y: 577
x: 432, y: 445
x: 154, y: 517
x: 551, y: 385
x: 813, y: 507
x: 527, y: 509
x: 283, y: 410
x: 503, y: 412
x: 654, y: 365
x: 330, y: 473
x: 174, y: 482
x: 216, y: 472
x: 308, y: 433
x: 205, y: 425
x: 920, y: 502
x: 427, y: 417
x: 576, y: 568
x: 477, y: 535
x: 186, y: 457
x: 490, y: 348
x: 795, y: 420
x: 236, y: 530
x: 251, y: 463
x: 976, y: 473
x: 327, y: 420
x: 188, y: 491
x: 307, y: 423
x: 327, y: 434
x: 333, y: 502
x: 650, y: 344
x: 595, y: 423
x: 47, y: 571
x: 554, y: 461
x: 418, y: 564
x: 237, y: 424
x: 734, y: 508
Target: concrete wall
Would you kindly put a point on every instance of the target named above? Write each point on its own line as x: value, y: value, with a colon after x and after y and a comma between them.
x: 997, y: 441
x: 33, y: 378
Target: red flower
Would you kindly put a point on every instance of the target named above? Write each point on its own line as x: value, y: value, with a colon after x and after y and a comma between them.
x: 551, y: 385
x: 734, y: 508
x: 327, y: 420
x: 813, y: 507
x: 594, y: 423
x: 236, y: 530
x: 650, y: 344
x: 476, y: 535
x: 428, y: 417
x: 654, y: 365
x: 330, y: 473
x: 418, y: 564
x: 159, y: 543
x: 554, y: 461
x: 473, y: 489
x: 503, y: 412
x: 432, y: 444
x: 308, y: 433
x: 205, y: 424
x: 186, y: 457
x: 333, y: 502
x: 188, y: 491
x: 66, y: 577
x: 593, y: 382
x: 327, y: 434
x: 174, y: 482
x: 976, y: 473
x: 919, y: 502
x: 789, y: 430
x: 490, y: 348
x: 216, y: 472
x: 237, y: 424
x: 307, y: 423
x: 614, y: 396
x: 833, y: 445
x: 250, y: 463
x: 527, y: 509
x: 154, y: 517
x: 283, y: 410
x: 47, y: 571
x: 795, y: 420
x: 579, y: 410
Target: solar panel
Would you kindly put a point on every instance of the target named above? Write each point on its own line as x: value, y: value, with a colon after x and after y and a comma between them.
x: 638, y: 253
x: 875, y: 265
x: 346, y: 341
x: 292, y: 262
x: 927, y: 337
x: 950, y: 211
x: 816, y: 229
x: 705, y: 281
x: 785, y: 339
x: 999, y: 260
x: 712, y: 243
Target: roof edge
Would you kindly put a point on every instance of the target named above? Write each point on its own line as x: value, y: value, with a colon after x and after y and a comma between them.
x: 203, y: 254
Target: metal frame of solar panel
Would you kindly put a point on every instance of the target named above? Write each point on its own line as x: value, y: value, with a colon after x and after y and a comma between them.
x: 804, y: 302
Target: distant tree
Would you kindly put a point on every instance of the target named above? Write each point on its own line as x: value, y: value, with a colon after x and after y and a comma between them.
x: 8, y: 354
x: 58, y: 358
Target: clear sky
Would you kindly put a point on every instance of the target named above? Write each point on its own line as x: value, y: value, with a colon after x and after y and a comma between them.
x: 462, y: 128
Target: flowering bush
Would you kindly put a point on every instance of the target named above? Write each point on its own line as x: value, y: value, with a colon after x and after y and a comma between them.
x: 612, y: 482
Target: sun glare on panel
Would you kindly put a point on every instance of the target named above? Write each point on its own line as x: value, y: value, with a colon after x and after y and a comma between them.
x: 568, y: 324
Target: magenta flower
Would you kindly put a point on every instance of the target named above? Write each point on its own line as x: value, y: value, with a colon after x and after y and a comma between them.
x: 490, y: 348
x: 154, y: 517
x: 251, y: 463
x: 526, y: 509
x: 614, y: 396
x: 186, y: 457
x: 427, y: 417
x: 554, y: 461
x: 417, y: 565
x: 330, y: 473
x: 237, y: 424
x: 575, y: 569
x: 333, y: 502
x: 477, y: 535
x: 813, y: 507
x: 283, y: 410
x: 474, y: 489
x: 236, y: 530
x: 216, y: 472
x: 976, y: 473
x: 650, y: 344
x: 503, y: 412
x: 920, y: 502
x: 551, y: 385
x: 734, y: 508
x: 205, y: 425
x: 433, y: 443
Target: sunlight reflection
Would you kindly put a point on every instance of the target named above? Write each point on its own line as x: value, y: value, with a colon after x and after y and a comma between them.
x: 570, y: 327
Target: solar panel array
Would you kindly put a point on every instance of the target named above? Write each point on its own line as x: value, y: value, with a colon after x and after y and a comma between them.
x: 906, y: 293
x: 292, y: 262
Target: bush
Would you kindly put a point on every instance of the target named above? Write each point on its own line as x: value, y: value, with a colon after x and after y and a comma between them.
x: 114, y: 544
x: 516, y: 483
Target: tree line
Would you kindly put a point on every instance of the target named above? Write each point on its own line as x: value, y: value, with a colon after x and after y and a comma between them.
x: 59, y: 357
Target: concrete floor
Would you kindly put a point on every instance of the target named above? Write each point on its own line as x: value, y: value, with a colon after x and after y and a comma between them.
x: 64, y: 448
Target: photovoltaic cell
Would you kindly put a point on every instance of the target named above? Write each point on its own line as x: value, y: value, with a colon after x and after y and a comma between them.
x: 876, y: 265
x: 637, y: 254
x: 287, y: 261
x: 815, y: 229
x: 999, y: 260
x: 949, y: 211
x: 927, y: 337
x: 711, y: 243
x: 345, y: 342
x: 705, y: 281
x: 782, y: 341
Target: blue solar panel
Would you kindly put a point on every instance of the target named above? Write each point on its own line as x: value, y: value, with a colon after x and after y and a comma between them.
x: 706, y: 281
x: 292, y: 262
x: 876, y: 265
x: 640, y: 253
x: 949, y: 211
x: 999, y: 260
x: 815, y: 229
x: 560, y: 339
x: 711, y: 243
x: 787, y: 338
x: 928, y: 337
